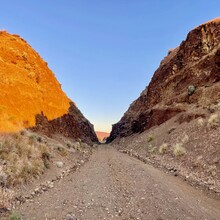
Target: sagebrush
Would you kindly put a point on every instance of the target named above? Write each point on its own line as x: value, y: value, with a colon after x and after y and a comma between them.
x: 213, y: 121
x: 163, y: 148
x: 179, y: 150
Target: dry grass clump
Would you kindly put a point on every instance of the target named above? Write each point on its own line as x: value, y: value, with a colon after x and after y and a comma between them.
x: 62, y: 151
x: 185, y: 139
x: 151, y: 149
x: 213, y: 121
x: 23, y: 159
x: 79, y: 146
x: 3, y: 177
x: 68, y: 144
x: 6, y: 197
x: 178, y: 150
x: 200, y: 122
x: 150, y: 138
x: 15, y: 216
x: 163, y: 148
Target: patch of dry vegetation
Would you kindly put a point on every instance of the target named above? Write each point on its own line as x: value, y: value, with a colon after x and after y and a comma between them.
x: 179, y: 150
x: 23, y: 158
x: 151, y: 149
x: 213, y: 121
x: 150, y: 138
x: 6, y: 197
x: 200, y: 122
x: 163, y: 148
x: 15, y: 216
x: 185, y: 139
x: 62, y: 150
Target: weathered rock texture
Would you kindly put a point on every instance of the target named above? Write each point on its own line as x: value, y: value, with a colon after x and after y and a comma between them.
x: 72, y: 125
x: 188, y: 76
x: 28, y: 88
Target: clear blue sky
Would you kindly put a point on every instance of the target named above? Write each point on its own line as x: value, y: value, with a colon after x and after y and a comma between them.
x: 104, y: 52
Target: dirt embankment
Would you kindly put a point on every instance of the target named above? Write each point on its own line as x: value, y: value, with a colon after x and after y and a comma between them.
x: 184, y: 145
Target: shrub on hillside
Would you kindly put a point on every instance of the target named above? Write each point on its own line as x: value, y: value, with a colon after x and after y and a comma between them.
x: 150, y: 138
x: 213, y: 121
x: 178, y: 150
x: 163, y: 148
x: 60, y: 148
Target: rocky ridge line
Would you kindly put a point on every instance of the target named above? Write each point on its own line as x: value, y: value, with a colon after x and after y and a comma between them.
x: 188, y: 76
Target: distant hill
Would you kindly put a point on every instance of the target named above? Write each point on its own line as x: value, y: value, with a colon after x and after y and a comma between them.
x: 101, y: 135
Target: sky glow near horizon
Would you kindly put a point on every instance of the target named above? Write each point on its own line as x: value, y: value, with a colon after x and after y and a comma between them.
x: 104, y: 53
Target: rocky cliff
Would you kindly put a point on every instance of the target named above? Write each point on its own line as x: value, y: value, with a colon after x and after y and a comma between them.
x: 72, y: 125
x: 188, y: 76
x: 29, y: 88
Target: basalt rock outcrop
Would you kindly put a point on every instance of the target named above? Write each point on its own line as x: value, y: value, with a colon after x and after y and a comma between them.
x: 28, y: 88
x: 72, y: 125
x: 188, y: 76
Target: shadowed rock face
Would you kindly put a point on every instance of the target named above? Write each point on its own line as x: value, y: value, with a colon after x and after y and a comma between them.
x: 72, y: 125
x: 195, y: 63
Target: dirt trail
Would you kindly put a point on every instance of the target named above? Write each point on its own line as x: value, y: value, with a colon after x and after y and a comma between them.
x: 113, y: 185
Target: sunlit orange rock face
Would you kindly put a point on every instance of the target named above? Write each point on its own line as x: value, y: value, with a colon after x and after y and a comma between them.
x: 27, y: 86
x: 101, y: 135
